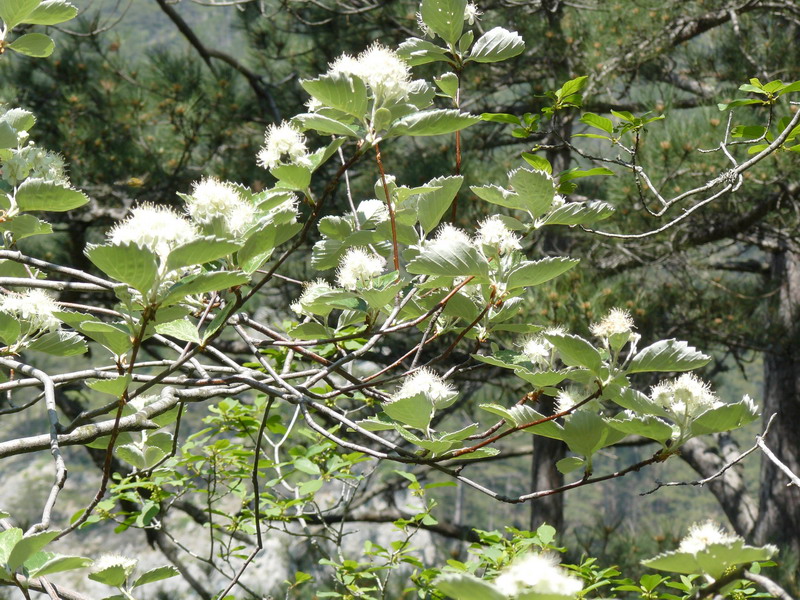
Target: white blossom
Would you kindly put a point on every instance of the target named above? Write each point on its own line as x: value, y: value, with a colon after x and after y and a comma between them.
x: 686, y: 396
x: 539, y: 574
x: 33, y: 306
x: 311, y: 291
x: 428, y: 383
x: 558, y: 201
x: 427, y: 32
x: 615, y: 322
x: 283, y: 143
x: 157, y: 228
x: 494, y: 233
x: 358, y: 267
x: 702, y: 535
x: 212, y: 199
x: 471, y: 13
x: 567, y: 399
x: 107, y: 561
x: 447, y: 237
x: 538, y: 350
x: 386, y: 74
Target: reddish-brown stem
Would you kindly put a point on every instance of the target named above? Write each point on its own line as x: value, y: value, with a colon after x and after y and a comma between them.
x: 511, y: 430
x: 390, y: 207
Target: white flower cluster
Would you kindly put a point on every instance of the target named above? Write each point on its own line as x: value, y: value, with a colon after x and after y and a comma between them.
x: 702, y: 535
x: 685, y: 397
x: 539, y: 351
x: 311, y: 291
x: 493, y: 233
x: 471, y: 13
x: 617, y: 321
x: 386, y: 74
x: 426, y: 382
x: 157, y: 228
x: 213, y: 199
x: 538, y: 574
x: 283, y: 144
x: 34, y: 307
x: 358, y: 267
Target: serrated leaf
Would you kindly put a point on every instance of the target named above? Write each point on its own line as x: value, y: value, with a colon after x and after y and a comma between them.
x: 113, y: 575
x: 37, y: 45
x: 668, y: 355
x: 648, y: 426
x: 304, y: 465
x: 432, y: 205
x: 448, y: 83
x: 433, y: 122
x: 257, y: 249
x: 714, y: 560
x: 292, y: 177
x: 416, y: 51
x: 59, y: 343
x: 131, y: 453
x: 9, y: 329
x: 579, y: 213
x: 200, y: 251
x: 576, y: 351
x: 724, y: 418
x: 115, y: 337
x: 535, y: 188
x: 343, y: 92
x: 115, y: 386
x: 500, y: 196
x: 19, y: 119
x: 8, y: 136
x: 127, y: 263
x: 23, y: 226
x: 531, y: 273
x: 496, y: 45
x: 58, y: 564
x: 456, y: 259
x: 414, y: 411
x: 444, y: 17
x: 12, y: 12
x: 324, y: 125
x: 28, y: 546
x: 637, y: 402
x: 569, y: 464
x: 51, y: 12
x: 182, y: 329
x: 538, y: 162
x: 203, y: 283
x: 38, y: 194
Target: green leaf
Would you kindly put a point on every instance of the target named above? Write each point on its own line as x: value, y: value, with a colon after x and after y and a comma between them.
x: 157, y: 574
x: 19, y: 119
x: 304, y: 465
x: 444, y: 17
x: 496, y: 45
x: 463, y: 586
x: 14, y: 11
x: 51, y: 12
x: 182, y: 329
x: 58, y: 564
x: 501, y: 118
x: 455, y: 259
x: 531, y: 273
x: 114, y: 387
x: 579, y: 213
x: 598, y: 122
x: 573, y: 86
x: 113, y: 336
x: 9, y: 329
x: 431, y: 206
x: 38, y: 194
x: 586, y: 432
x: 8, y: 539
x: 200, y: 251
x: 569, y: 464
x: 668, y: 355
x: 37, y: 45
x: 522, y: 415
x: 113, y: 575
x: 500, y: 196
x: 433, y: 122
x: 415, y: 411
x: 340, y: 91
x: 725, y: 418
x: 59, y: 343
x: 128, y: 263
x: 636, y: 401
x: 578, y: 173
x: 575, y: 351
x: 203, y: 283
x: 28, y: 546
x: 8, y: 136
x: 648, y: 426
x: 324, y: 125
x: 714, y: 560
x: 257, y: 249
x: 535, y: 188
x: 738, y: 102
x: 448, y: 83
x: 538, y: 162
x: 292, y: 177
x: 23, y: 226
x: 416, y: 51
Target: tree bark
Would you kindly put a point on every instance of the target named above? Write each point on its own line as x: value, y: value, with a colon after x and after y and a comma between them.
x: 779, y: 504
x: 544, y: 476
